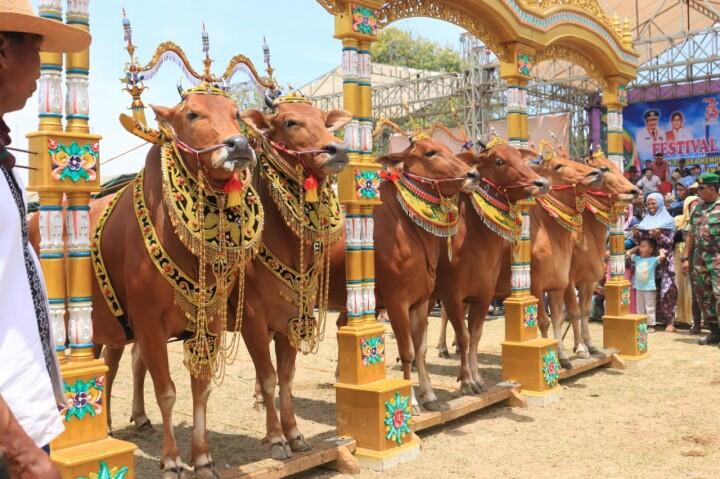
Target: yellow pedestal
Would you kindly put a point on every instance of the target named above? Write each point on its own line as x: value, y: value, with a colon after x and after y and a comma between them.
x: 80, y: 449
x: 534, y: 364
x: 617, y: 297
x: 522, y: 317
x: 361, y: 353
x: 627, y: 334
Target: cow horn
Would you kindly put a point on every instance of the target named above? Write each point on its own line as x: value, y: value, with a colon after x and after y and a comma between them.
x: 180, y: 88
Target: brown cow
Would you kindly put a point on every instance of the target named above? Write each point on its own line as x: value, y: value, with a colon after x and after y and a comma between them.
x: 472, y: 274
x: 199, y: 122
x: 406, y: 254
x: 301, y: 134
x: 588, y: 266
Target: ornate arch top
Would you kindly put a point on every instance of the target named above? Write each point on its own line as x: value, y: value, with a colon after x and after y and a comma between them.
x: 536, y: 23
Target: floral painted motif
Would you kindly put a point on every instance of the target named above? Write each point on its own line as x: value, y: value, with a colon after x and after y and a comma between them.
x: 372, y: 350
x: 364, y: 20
x: 73, y: 162
x: 642, y: 337
x: 530, y: 315
x: 397, y: 418
x: 367, y: 184
x: 83, y: 397
x: 106, y: 473
x: 625, y: 295
x: 551, y: 368
x: 622, y: 94
x: 524, y: 62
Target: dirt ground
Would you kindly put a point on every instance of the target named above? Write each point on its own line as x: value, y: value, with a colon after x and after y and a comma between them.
x: 657, y: 421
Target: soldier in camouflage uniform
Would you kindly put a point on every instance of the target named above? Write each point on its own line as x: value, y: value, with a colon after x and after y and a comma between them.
x: 703, y: 250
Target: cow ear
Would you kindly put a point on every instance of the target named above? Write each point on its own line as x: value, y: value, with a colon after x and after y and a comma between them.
x: 336, y: 119
x: 528, y: 154
x: 395, y: 161
x: 470, y: 158
x: 256, y: 120
x: 162, y: 113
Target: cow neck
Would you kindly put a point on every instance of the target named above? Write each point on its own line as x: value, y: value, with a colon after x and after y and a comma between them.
x: 555, y: 204
x: 497, y: 213
x: 598, y: 203
x: 317, y: 225
x: 227, y: 232
x: 431, y: 211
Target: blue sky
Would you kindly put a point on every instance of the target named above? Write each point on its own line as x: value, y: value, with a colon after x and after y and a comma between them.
x: 299, y: 33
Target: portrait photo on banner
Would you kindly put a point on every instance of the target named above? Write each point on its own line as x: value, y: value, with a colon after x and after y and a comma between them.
x: 680, y: 129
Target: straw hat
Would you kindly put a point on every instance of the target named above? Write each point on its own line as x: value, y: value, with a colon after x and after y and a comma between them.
x: 18, y: 16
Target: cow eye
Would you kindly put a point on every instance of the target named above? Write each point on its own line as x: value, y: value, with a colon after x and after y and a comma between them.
x: 559, y: 167
x: 191, y: 115
x: 430, y: 154
x: 499, y: 162
x: 605, y: 169
x: 290, y: 123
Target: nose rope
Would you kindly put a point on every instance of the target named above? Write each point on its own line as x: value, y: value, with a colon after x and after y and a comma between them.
x: 504, y: 188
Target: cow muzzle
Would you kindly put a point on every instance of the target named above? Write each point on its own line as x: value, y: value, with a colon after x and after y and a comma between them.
x: 337, y: 158
x: 237, y: 154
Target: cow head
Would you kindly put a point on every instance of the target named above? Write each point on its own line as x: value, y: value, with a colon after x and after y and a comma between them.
x: 301, y: 127
x: 436, y: 164
x: 563, y: 171
x: 506, y: 168
x: 207, y: 125
x: 615, y: 182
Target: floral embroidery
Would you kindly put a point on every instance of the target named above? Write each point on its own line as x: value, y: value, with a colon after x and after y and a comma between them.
x: 372, y: 350
x: 397, y: 418
x: 364, y: 20
x: 531, y: 315
x: 625, y: 295
x: 524, y: 63
x: 642, y: 337
x: 367, y: 184
x: 106, y: 473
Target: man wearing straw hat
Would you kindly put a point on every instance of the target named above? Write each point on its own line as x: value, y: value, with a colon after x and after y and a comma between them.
x: 30, y: 383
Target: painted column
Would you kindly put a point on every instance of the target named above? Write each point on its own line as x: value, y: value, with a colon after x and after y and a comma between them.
x: 365, y: 397
x: 596, y: 122
x: 527, y: 359
x: 66, y: 165
x: 621, y: 330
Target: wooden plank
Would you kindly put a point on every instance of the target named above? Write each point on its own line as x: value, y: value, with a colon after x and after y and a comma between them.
x: 583, y: 365
x: 322, y: 453
x: 464, y: 405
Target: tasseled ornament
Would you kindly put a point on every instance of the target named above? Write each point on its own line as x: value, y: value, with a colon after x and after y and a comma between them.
x: 311, y: 186
x: 233, y: 187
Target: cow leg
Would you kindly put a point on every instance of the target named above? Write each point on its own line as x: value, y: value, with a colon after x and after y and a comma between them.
x: 112, y: 356
x: 201, y: 460
x: 543, y: 318
x: 573, y: 315
x: 456, y: 314
x: 286, y: 356
x: 442, y: 340
x: 154, y: 351
x: 257, y: 340
x: 257, y: 395
x: 400, y: 321
x: 418, y: 328
x: 476, y: 320
x: 556, y: 304
x: 139, y: 370
x: 586, y: 293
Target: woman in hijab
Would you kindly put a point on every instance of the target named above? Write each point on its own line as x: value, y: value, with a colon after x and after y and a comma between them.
x: 685, y: 311
x: 659, y: 225
x: 682, y: 190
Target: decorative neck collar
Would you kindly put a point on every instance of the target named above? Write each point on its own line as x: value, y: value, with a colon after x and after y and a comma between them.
x: 568, y: 217
x: 435, y: 214
x: 498, y: 214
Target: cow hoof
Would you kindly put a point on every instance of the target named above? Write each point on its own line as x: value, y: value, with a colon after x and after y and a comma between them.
x: 444, y: 353
x: 280, y: 451
x: 142, y: 424
x: 467, y: 389
x: 565, y: 363
x: 596, y: 352
x: 416, y: 410
x: 435, y: 405
x: 299, y: 444
x: 583, y: 354
x: 479, y: 387
x: 176, y: 472
x: 206, y: 471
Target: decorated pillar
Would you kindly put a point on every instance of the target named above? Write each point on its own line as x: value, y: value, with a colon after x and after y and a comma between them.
x: 621, y: 330
x: 527, y: 359
x: 371, y: 408
x: 66, y: 166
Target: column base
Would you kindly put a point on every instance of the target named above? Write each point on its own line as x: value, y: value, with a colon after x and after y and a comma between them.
x: 634, y: 362
x: 627, y: 334
x: 542, y: 399
x: 362, y: 412
x: 82, y: 460
x: 534, y: 364
x: 385, y: 460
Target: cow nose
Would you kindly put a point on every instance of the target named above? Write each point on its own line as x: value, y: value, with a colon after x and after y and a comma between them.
x: 237, y: 142
x: 473, y: 175
x: 542, y: 183
x: 634, y: 191
x: 337, y: 150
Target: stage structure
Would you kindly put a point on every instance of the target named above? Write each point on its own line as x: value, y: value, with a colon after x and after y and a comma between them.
x: 66, y: 171
x: 521, y: 35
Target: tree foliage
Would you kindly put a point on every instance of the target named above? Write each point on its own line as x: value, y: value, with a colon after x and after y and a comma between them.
x: 401, y: 48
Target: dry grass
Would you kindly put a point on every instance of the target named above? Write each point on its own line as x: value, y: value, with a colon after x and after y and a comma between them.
x: 657, y: 421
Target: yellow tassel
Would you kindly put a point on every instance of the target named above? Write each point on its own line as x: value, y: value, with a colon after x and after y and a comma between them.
x: 311, y: 186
